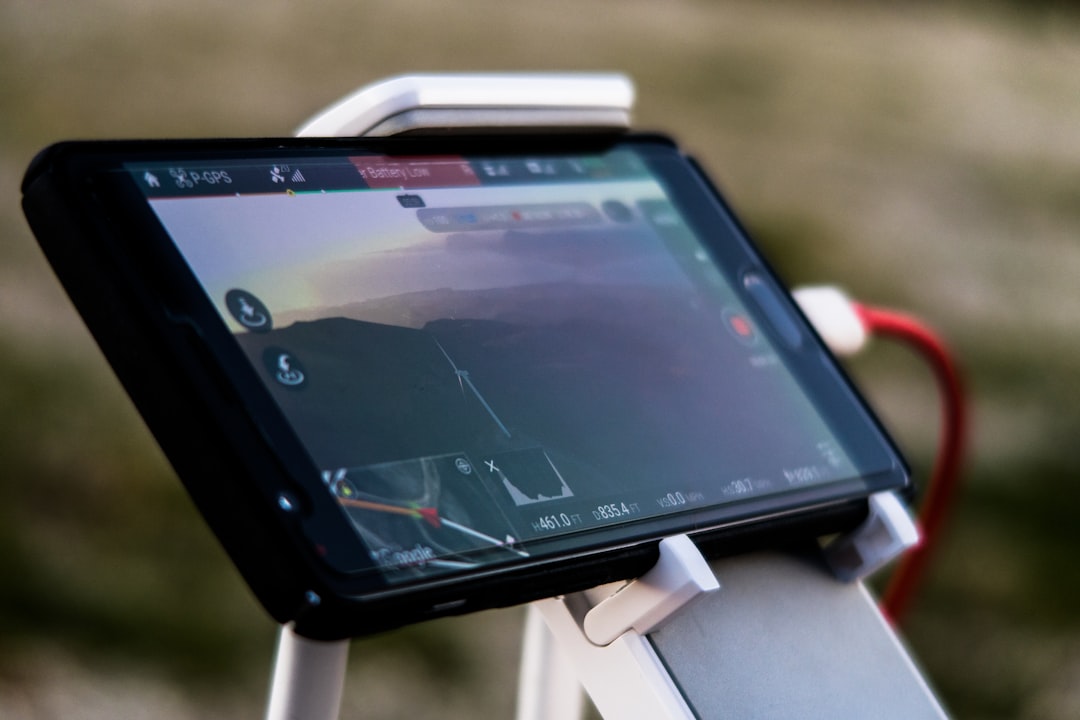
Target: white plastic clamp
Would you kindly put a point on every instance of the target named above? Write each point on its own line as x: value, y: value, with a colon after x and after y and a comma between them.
x: 601, y: 633
x: 492, y: 102
x: 679, y: 576
x: 884, y: 535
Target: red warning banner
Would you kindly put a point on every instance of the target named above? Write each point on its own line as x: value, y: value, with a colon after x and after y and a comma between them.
x: 430, y: 172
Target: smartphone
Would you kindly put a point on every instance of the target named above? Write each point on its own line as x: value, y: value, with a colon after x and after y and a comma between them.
x: 410, y: 377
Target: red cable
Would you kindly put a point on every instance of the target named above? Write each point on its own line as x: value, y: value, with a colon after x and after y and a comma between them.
x: 945, y: 477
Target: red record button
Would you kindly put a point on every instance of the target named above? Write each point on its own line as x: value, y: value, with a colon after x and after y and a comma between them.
x: 740, y: 326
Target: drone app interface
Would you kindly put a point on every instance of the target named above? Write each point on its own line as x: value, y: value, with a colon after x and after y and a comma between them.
x: 482, y: 355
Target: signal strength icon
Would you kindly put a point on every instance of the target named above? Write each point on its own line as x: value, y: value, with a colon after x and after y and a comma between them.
x: 298, y: 176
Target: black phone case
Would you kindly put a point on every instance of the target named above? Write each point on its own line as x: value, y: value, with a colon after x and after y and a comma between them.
x: 236, y: 477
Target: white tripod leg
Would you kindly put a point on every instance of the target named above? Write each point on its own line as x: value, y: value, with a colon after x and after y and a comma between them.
x: 548, y: 685
x: 309, y: 678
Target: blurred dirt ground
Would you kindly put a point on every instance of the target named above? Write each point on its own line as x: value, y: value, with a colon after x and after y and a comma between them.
x: 922, y: 155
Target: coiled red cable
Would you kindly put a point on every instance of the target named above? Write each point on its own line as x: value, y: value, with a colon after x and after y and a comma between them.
x: 944, y: 481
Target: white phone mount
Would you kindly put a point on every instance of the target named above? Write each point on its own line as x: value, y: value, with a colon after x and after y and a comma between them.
x: 644, y: 650
x: 784, y: 639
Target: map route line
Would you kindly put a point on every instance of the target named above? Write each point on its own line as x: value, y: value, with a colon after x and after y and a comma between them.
x: 431, y: 516
x: 481, y: 536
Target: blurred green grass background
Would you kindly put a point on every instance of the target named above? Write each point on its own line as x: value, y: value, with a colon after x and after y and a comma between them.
x: 922, y: 155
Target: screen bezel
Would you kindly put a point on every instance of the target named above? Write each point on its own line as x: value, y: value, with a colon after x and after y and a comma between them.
x: 159, y: 275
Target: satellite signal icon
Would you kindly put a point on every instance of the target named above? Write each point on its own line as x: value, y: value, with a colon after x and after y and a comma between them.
x: 298, y: 176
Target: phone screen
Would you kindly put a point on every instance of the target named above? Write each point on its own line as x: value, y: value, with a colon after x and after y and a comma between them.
x: 494, y: 358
